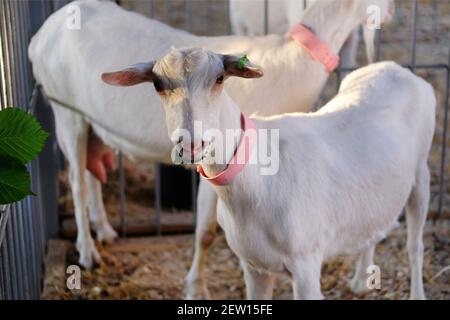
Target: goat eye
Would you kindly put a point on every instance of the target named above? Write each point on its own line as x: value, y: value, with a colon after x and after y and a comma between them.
x: 219, y: 80
x: 158, y: 85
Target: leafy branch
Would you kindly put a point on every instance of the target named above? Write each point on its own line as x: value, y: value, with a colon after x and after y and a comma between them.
x: 21, y: 140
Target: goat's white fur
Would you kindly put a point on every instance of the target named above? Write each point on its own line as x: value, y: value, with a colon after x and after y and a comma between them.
x: 247, y: 18
x: 346, y: 173
x: 68, y: 64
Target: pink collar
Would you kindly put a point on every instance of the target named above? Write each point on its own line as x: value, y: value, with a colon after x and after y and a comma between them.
x: 240, y: 158
x: 319, y: 50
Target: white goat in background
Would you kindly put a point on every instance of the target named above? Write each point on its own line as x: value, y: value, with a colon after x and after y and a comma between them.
x: 247, y: 18
x: 350, y: 167
x: 67, y: 62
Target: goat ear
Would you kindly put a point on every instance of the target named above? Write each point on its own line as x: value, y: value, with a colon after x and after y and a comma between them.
x: 135, y: 74
x: 240, y: 67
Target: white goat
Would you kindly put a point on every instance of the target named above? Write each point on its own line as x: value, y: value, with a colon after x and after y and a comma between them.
x: 346, y: 171
x: 66, y: 62
x: 247, y: 18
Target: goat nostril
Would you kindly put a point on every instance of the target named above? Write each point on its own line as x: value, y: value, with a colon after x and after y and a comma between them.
x: 180, y: 139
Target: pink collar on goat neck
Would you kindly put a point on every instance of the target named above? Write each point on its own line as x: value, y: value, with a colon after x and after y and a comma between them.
x: 240, y: 158
x: 319, y: 50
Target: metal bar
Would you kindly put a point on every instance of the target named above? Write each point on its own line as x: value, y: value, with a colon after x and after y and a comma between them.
x: 194, y: 184
x: 7, y: 271
x: 378, y: 45
x: 22, y: 254
x: 3, y: 98
x: 6, y: 55
x: 17, y: 243
x: 32, y: 257
x: 23, y: 49
x: 437, y: 66
x: 434, y: 16
x: 227, y: 4
x: 397, y: 16
x: 444, y: 140
x: 152, y: 8
x: 266, y: 16
x: 167, y: 9
x: 189, y: 15
x: 2, y: 276
x: 35, y: 257
x: 38, y: 212
x: 37, y: 230
x: 208, y: 16
x: 33, y: 100
x: 414, y: 35
x: 158, y: 198
x: 12, y: 243
x: 339, y: 72
x: 39, y: 185
x: 21, y: 62
x: 27, y: 30
x: 3, y: 221
x: 16, y: 54
x: 47, y: 164
x: 29, y: 276
x: 12, y: 260
x: 122, y: 196
x: 13, y: 54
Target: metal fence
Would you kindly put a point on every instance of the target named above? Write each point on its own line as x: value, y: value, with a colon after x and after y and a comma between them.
x: 26, y: 226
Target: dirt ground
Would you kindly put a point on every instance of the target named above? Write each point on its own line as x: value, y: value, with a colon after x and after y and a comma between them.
x: 154, y: 268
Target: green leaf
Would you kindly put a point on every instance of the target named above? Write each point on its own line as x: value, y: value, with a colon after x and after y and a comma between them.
x: 14, y: 180
x: 21, y: 135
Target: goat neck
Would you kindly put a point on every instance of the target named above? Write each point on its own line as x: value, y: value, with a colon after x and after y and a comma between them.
x: 230, y: 119
x: 333, y: 21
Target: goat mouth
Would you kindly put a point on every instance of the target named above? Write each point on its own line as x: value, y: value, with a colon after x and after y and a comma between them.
x: 190, y: 156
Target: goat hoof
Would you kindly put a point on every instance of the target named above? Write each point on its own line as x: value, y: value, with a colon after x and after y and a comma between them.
x: 106, y: 234
x: 203, y: 295
x: 196, y: 290
x: 417, y: 296
x: 358, y: 286
x: 89, y: 256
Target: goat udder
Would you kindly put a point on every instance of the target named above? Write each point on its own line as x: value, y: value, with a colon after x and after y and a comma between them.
x: 99, y: 157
